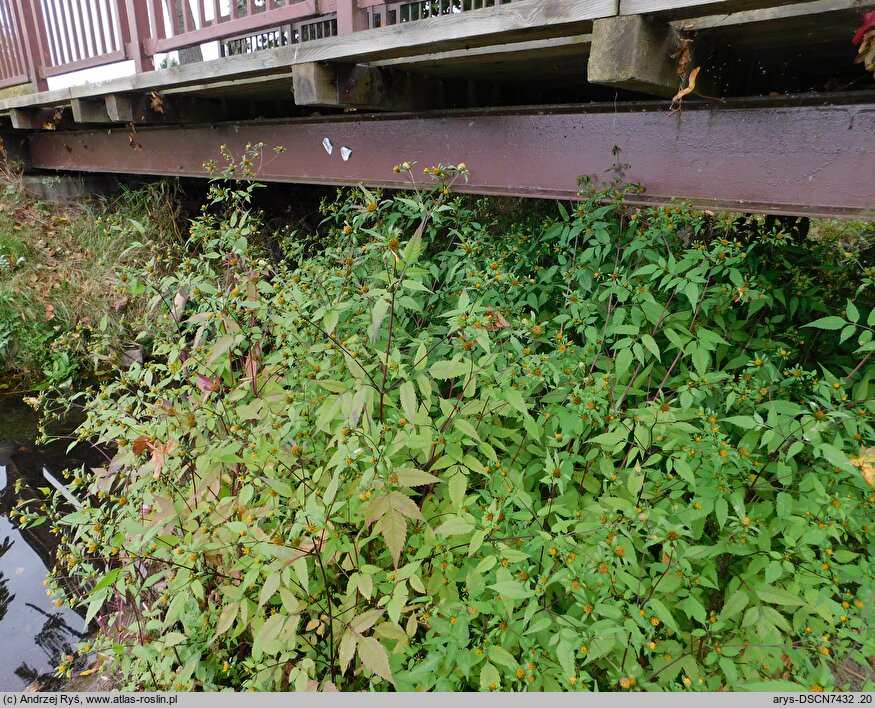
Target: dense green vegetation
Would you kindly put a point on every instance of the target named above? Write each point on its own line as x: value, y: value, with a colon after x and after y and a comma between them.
x: 435, y: 447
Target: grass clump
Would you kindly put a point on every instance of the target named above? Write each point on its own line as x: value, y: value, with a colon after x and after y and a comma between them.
x: 58, y: 276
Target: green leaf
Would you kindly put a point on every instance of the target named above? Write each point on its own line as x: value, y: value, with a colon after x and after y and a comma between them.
x: 408, y: 399
x: 778, y: 596
x: 853, y: 312
x: 265, y: 641
x: 375, y: 658
x: 691, y: 290
x: 742, y: 421
x: 449, y: 369
x: 330, y: 319
x: 458, y: 485
x: 464, y: 427
x: 662, y: 612
x: 502, y: 656
x: 489, y: 677
x: 516, y: 400
x: 734, y: 604
x: 347, y: 649
x: 775, y: 686
x: 623, y: 362
x: 378, y: 314
x: 455, y: 526
x: 651, y: 345
x: 827, y: 323
x: 413, y: 249
x: 510, y: 589
x: 784, y: 505
x: 222, y: 346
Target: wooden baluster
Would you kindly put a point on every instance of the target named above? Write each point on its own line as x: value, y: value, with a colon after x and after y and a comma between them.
x: 86, y: 29
x: 200, y: 13
x: 54, y: 35
x: 159, y: 24
x: 8, y: 66
x: 68, y: 29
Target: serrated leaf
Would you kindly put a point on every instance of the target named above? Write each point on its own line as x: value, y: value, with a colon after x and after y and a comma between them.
x: 378, y: 314
x: 363, y: 622
x: 408, y: 399
x: 393, y: 527
x: 412, y: 477
x: 516, y: 400
x: 651, y: 345
x: 405, y: 506
x: 663, y: 613
x: 827, y: 323
x: 346, y: 651
x: 853, y: 312
x: 375, y: 659
x: 510, y: 589
x: 466, y: 428
x: 449, y: 369
x: 734, y: 604
x: 222, y: 346
x: 265, y: 641
x: 271, y: 585
x: 502, y: 656
x: 778, y: 596
x: 454, y: 526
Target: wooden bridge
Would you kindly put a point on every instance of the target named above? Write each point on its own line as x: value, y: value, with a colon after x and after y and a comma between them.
x: 530, y: 94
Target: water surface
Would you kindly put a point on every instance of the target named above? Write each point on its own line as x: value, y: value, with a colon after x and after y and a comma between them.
x: 34, y: 634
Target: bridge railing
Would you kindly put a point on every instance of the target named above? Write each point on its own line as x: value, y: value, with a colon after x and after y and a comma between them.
x: 44, y: 38
x: 14, y: 67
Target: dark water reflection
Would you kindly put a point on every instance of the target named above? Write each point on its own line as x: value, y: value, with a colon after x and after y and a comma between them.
x: 34, y: 634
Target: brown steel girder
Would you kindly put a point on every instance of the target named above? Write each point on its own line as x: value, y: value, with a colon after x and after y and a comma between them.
x: 802, y: 159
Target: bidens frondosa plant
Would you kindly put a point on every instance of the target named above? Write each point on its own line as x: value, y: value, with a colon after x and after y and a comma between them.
x: 434, y: 449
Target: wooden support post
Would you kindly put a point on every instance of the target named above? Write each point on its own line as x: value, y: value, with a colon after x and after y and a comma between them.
x: 633, y: 53
x: 361, y: 86
x: 87, y: 110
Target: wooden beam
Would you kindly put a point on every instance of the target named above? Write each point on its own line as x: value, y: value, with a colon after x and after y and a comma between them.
x: 813, y: 8
x: 695, y: 8
x: 315, y: 84
x: 516, y: 51
x: 362, y: 87
x: 38, y: 118
x: 176, y: 109
x: 90, y: 110
x: 633, y: 53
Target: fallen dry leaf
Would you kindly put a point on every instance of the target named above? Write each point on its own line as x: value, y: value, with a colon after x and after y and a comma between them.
x: 679, y: 96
